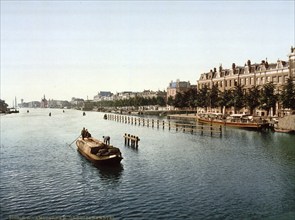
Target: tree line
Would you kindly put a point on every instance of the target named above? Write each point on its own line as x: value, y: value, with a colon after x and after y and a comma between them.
x: 265, y: 97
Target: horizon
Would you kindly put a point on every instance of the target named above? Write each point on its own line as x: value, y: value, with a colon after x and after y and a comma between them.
x: 76, y: 49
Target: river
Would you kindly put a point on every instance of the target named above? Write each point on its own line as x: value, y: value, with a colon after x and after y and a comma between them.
x: 172, y: 175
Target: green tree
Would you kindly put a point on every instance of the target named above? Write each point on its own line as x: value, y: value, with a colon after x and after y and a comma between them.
x: 225, y: 99
x: 192, y: 95
x: 287, y: 96
x: 214, y: 97
x: 252, y: 98
x: 238, y: 97
x: 170, y: 101
x: 203, y: 99
x: 161, y: 101
x: 179, y: 101
x: 268, y: 97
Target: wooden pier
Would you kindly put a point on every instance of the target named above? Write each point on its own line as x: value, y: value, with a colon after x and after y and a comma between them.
x: 203, y: 129
x: 131, y: 140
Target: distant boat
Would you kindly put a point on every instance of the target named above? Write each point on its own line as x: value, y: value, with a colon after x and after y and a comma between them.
x: 98, y: 152
x: 12, y: 110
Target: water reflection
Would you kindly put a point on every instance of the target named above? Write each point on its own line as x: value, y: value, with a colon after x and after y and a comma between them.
x: 110, y: 172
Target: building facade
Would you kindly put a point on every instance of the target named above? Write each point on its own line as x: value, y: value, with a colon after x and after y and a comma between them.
x: 251, y: 75
x: 177, y: 87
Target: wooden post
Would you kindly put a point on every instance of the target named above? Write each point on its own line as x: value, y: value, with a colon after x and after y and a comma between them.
x: 220, y: 130
x: 143, y: 122
x: 132, y: 141
x: 136, y: 142
x: 169, y: 125
x: 211, y: 130
x: 125, y: 137
x: 148, y: 123
x: 128, y: 141
x: 192, y: 130
x: 202, y: 129
x: 157, y: 123
x: 152, y: 123
x: 163, y: 124
x: 176, y: 128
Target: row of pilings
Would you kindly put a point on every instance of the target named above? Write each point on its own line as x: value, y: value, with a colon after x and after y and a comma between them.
x: 207, y: 129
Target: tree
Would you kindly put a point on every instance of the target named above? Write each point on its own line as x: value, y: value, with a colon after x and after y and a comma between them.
x: 252, y: 98
x: 238, y: 97
x: 179, y: 100
x: 268, y: 97
x: 161, y: 101
x: 214, y: 97
x: 287, y: 96
x: 170, y: 101
x: 225, y: 99
x: 203, y: 99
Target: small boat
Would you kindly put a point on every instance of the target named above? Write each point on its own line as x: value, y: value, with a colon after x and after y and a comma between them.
x: 12, y: 110
x: 98, y: 152
x: 234, y: 120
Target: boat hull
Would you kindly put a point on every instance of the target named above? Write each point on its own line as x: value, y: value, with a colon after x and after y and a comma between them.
x: 231, y: 124
x: 89, y: 149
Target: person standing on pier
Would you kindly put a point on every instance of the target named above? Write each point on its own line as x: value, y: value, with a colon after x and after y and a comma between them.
x: 106, y: 140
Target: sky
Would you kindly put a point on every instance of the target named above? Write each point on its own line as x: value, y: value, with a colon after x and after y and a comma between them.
x: 65, y: 49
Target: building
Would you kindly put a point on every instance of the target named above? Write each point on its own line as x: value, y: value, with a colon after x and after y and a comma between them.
x: 44, y: 103
x: 103, y: 95
x: 178, y: 86
x: 125, y: 95
x: 251, y: 75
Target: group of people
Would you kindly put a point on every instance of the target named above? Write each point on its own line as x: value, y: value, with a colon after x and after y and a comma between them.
x: 85, y: 134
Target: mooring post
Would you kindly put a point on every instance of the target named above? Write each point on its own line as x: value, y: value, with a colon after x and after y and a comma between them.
x: 125, y: 137
x: 211, y: 130
x: 169, y: 125
x: 132, y: 141
x: 176, y: 128
x: 157, y: 123
x: 128, y: 141
x: 136, y: 142
x: 202, y: 129
x: 163, y: 124
x: 152, y: 123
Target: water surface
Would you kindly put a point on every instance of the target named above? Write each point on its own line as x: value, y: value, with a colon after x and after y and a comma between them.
x: 172, y: 175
